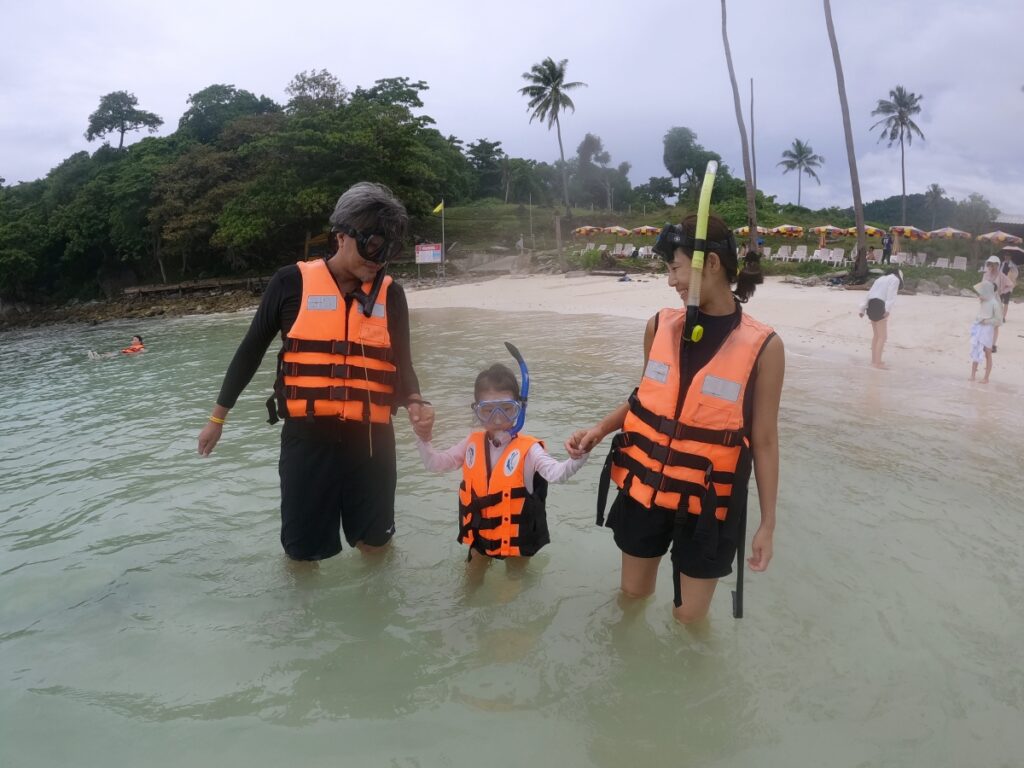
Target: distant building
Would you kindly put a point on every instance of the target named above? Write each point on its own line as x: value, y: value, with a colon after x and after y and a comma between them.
x: 1013, y: 223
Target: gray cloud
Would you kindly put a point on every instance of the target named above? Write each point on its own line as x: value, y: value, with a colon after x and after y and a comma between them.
x: 650, y: 65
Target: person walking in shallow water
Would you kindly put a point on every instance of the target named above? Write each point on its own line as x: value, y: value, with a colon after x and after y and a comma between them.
x: 344, y: 368
x: 877, y: 305
x: 987, y: 322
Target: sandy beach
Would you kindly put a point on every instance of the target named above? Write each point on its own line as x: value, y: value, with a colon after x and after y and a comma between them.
x: 926, y: 333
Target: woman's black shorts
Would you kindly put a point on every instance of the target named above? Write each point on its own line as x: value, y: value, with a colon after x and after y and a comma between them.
x: 876, y: 310
x: 331, y: 482
x: 643, y: 532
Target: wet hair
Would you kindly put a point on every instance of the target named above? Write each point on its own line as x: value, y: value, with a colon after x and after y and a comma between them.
x: 371, y: 209
x: 136, y: 336
x: 722, y: 244
x: 498, y: 378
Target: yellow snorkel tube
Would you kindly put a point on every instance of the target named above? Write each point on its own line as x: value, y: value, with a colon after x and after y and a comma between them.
x: 695, y: 331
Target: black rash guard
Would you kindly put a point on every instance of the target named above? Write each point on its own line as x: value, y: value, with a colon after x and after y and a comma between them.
x: 277, y: 313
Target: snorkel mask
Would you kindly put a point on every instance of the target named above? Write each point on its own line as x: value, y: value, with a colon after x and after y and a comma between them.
x: 374, y: 248
x: 512, y: 413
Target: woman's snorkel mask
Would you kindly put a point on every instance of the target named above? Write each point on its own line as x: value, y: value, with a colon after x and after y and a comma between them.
x: 672, y: 237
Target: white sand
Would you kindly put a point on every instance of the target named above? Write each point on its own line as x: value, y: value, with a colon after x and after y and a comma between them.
x: 928, y: 333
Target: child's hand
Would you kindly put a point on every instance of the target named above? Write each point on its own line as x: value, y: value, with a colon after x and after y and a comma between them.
x: 581, y: 442
x: 421, y: 416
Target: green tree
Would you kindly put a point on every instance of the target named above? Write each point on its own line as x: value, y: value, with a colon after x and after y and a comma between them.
x: 860, y: 264
x: 801, y: 158
x: 548, y: 98
x: 119, y: 113
x: 313, y: 91
x: 212, y: 108
x: 897, y: 124
x: 486, y: 158
x: 934, y: 197
x: 685, y: 159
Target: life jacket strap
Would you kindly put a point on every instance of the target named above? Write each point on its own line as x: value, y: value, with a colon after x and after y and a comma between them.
x: 659, y: 481
x: 664, y: 454
x: 341, y: 394
x: 339, y: 347
x: 340, y: 371
x: 678, y: 431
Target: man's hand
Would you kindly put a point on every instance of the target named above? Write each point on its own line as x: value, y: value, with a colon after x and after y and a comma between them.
x: 421, y: 417
x: 760, y: 550
x: 208, y: 437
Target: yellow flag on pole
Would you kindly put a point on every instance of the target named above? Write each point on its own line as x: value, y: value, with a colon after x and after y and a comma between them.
x: 439, y: 207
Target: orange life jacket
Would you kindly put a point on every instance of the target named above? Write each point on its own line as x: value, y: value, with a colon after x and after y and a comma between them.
x: 134, y: 349
x: 497, y: 515
x: 689, y: 455
x: 336, y: 362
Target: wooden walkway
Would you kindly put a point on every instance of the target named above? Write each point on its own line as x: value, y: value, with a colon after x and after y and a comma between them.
x: 253, y: 284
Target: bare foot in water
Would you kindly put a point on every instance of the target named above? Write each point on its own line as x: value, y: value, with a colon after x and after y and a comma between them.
x: 983, y: 381
x: 880, y: 366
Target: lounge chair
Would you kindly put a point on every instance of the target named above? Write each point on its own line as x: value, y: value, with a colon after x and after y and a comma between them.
x: 783, y: 254
x: 837, y: 256
x: 590, y: 247
x: 602, y: 248
x: 941, y: 263
x: 617, y: 250
x: 627, y: 250
x: 800, y: 254
x: 960, y: 262
x: 767, y: 253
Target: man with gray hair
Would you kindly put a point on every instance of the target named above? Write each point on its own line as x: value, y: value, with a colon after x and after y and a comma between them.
x: 344, y: 368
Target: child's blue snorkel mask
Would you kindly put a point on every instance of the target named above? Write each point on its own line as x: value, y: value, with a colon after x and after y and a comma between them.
x: 524, y: 390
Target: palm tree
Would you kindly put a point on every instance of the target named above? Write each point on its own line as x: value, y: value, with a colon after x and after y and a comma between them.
x: 860, y: 264
x: 898, y: 125
x: 747, y: 175
x: 933, y: 197
x: 547, y: 91
x: 801, y: 158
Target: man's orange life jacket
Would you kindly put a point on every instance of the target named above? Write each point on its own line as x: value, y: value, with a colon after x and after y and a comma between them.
x: 689, y: 454
x: 134, y: 349
x: 497, y: 515
x: 336, y: 362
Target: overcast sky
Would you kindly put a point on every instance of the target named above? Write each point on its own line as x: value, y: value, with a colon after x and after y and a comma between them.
x: 649, y: 65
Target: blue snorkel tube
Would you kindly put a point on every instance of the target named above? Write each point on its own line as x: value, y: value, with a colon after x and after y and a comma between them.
x: 524, y: 391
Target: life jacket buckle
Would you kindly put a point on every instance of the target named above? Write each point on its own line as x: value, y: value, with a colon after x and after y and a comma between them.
x: 337, y: 393
x: 341, y: 371
x: 660, y: 453
x: 339, y: 347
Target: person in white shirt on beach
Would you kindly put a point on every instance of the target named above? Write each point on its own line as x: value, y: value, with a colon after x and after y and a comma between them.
x: 877, y: 305
x: 987, y: 322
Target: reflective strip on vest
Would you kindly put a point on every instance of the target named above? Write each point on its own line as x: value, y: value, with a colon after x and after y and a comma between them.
x: 490, y: 508
x: 664, y: 459
x: 336, y: 362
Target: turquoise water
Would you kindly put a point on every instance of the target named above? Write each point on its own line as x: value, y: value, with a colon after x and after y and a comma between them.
x: 147, y: 616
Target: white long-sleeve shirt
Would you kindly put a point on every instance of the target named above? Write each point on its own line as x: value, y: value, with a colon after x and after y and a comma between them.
x: 885, y: 288
x: 537, y: 460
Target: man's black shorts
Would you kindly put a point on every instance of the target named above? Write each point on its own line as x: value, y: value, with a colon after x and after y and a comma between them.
x: 643, y: 532
x: 330, y: 481
x: 1006, y: 297
x: 876, y: 310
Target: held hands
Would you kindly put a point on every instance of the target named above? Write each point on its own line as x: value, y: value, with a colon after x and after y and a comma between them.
x: 582, y: 442
x: 421, y: 417
x: 760, y: 550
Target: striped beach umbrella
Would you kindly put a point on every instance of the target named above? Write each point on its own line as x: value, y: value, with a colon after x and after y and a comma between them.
x: 948, y: 233
x: 586, y: 230
x: 616, y: 230
x: 828, y: 230
x: 868, y: 230
x: 787, y: 230
x: 1000, y: 237
x: 646, y: 230
x: 911, y: 233
x: 744, y: 230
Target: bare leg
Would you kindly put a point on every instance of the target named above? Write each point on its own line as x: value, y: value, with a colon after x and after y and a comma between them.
x: 880, y: 328
x: 988, y: 364
x: 639, y: 575
x: 696, y: 594
x: 974, y: 371
x: 372, y: 551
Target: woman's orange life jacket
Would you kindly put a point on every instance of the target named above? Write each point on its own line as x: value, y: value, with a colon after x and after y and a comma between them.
x: 497, y: 515
x: 134, y: 349
x: 336, y: 362
x: 689, y: 455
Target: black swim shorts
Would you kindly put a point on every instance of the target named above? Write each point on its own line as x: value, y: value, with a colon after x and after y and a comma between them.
x: 643, y: 532
x: 331, y: 482
x: 1005, y: 297
x: 876, y: 310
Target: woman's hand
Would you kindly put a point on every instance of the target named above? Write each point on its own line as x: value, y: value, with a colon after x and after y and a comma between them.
x: 760, y: 550
x: 208, y: 437
x: 582, y: 442
x: 421, y: 417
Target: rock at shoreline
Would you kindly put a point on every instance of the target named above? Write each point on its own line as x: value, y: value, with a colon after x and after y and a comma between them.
x: 928, y: 287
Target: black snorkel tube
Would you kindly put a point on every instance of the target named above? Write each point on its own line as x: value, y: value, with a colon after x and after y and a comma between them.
x: 524, y: 390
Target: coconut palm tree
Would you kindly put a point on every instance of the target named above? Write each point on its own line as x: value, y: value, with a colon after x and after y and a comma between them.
x: 548, y: 95
x: 747, y: 175
x: 933, y: 197
x: 897, y: 125
x: 801, y: 158
x: 860, y: 264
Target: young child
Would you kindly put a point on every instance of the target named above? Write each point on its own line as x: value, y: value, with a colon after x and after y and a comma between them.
x: 990, y: 316
x: 504, y: 473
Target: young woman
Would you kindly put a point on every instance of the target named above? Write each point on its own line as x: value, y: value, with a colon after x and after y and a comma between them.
x: 877, y: 305
x: 704, y: 411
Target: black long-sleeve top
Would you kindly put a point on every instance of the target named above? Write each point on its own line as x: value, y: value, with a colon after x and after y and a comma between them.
x: 277, y: 313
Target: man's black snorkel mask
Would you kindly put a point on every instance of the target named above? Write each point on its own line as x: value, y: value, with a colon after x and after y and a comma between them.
x: 374, y: 248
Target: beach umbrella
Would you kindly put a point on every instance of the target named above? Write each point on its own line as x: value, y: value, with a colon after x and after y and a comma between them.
x: 585, y: 230
x: 911, y: 233
x: 646, y: 230
x: 1003, y: 238
x: 1016, y: 253
x: 868, y: 230
x: 828, y: 230
x: 787, y: 230
x: 745, y: 230
x: 948, y: 233
x: 616, y: 230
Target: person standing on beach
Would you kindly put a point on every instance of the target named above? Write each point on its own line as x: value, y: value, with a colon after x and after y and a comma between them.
x: 886, y: 248
x: 987, y: 322
x: 344, y: 368
x: 877, y: 305
x: 704, y: 413
x: 1009, y: 271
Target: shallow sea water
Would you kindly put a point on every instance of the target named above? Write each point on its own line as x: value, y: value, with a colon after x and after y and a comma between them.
x: 147, y: 615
